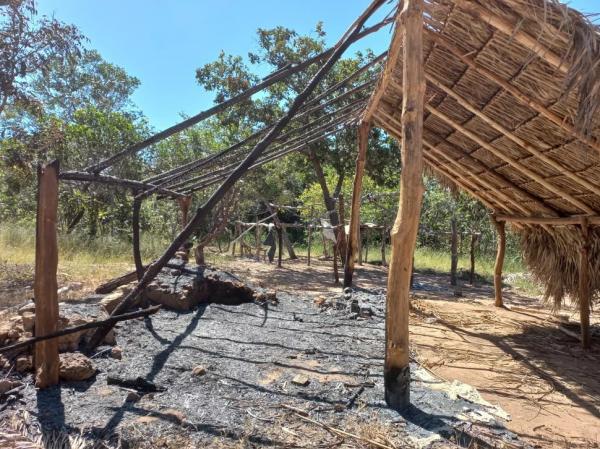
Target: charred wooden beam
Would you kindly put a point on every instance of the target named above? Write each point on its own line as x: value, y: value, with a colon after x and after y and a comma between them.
x: 218, y: 195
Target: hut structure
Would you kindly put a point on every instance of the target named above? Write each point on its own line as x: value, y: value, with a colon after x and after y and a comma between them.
x: 499, y: 97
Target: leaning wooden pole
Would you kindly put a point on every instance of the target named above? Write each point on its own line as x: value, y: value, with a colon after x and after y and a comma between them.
x: 354, y: 232
x: 584, y: 284
x: 404, y: 233
x: 202, y: 211
x: 45, y: 355
x: 501, y: 235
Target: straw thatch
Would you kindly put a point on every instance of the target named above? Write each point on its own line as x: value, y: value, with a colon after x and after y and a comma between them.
x: 511, y: 116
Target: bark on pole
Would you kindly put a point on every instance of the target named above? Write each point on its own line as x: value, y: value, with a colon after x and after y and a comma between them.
x: 501, y: 231
x: 584, y: 284
x: 404, y: 233
x: 45, y: 355
x: 354, y: 233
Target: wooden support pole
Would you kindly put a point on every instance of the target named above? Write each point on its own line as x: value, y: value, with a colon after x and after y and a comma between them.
x: 279, y: 244
x: 360, y: 246
x: 453, y: 250
x: 584, y: 284
x: 383, y: 239
x: 472, y: 253
x: 135, y: 236
x: 404, y: 233
x: 312, y: 212
x: 354, y: 233
x: 367, y: 244
x: 341, y: 234
x: 257, y: 240
x: 336, y: 274
x: 184, y: 206
x: 45, y: 355
x: 501, y: 235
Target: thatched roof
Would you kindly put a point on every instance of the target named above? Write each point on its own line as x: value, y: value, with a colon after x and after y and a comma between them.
x: 511, y: 115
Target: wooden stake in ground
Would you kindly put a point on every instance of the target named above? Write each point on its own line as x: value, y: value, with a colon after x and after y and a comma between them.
x: 45, y: 356
x: 584, y: 284
x: 354, y: 232
x: 501, y: 233
x: 453, y: 250
x: 404, y: 233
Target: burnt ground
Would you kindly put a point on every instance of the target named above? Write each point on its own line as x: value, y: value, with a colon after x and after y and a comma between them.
x: 243, y: 398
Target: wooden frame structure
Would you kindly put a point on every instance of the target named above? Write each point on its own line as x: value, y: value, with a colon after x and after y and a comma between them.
x: 500, y: 100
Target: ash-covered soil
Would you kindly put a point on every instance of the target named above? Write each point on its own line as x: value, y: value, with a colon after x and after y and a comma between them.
x: 232, y: 376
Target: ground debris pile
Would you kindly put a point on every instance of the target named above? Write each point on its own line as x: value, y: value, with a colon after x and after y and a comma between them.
x: 223, y: 376
x: 182, y: 287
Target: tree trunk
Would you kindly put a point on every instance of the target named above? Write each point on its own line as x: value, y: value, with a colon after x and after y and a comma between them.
x: 45, y: 355
x: 404, y: 233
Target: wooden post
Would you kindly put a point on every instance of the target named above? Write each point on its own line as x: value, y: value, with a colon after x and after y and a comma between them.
x: 404, y: 233
x: 360, y: 246
x: 354, y: 234
x: 453, y: 250
x: 341, y: 234
x: 45, y: 355
x: 472, y: 272
x: 336, y: 274
x: 135, y: 237
x: 279, y: 244
x: 383, y: 239
x: 184, y: 205
x: 257, y: 239
x: 312, y: 209
x: 584, y: 284
x: 367, y: 244
x: 501, y: 234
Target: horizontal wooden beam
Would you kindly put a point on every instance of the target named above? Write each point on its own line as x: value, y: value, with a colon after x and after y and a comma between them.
x: 552, y: 221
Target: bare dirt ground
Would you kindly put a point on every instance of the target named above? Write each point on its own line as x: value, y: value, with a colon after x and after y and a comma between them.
x: 517, y: 358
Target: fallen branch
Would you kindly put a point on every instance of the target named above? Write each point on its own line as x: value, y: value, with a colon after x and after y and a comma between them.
x: 71, y: 330
x: 335, y: 430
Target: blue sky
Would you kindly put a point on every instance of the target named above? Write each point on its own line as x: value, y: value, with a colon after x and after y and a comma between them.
x: 162, y: 43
